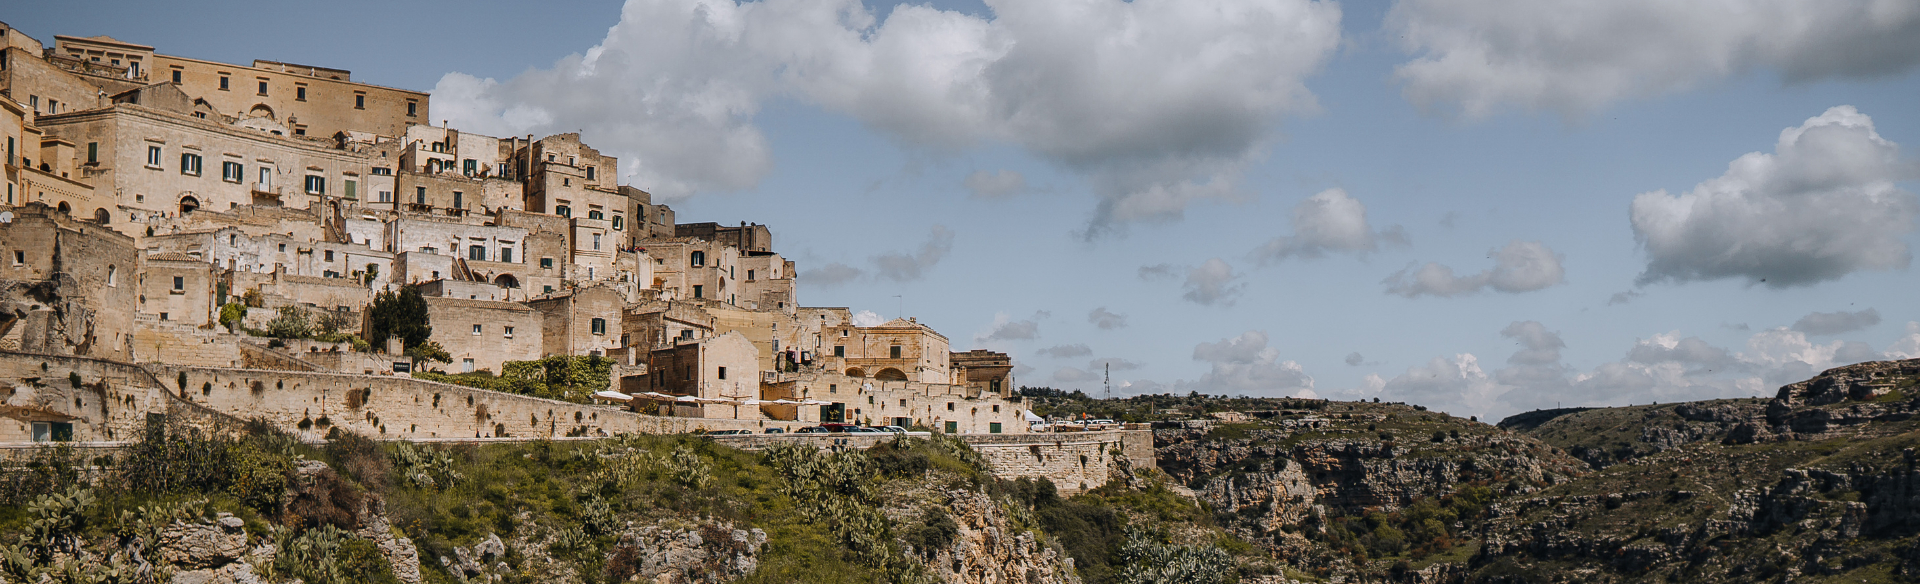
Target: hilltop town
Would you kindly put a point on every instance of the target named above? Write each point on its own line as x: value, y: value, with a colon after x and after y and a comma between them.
x: 249, y: 224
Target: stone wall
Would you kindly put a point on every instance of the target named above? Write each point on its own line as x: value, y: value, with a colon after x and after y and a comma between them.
x: 111, y: 402
x: 1075, y: 461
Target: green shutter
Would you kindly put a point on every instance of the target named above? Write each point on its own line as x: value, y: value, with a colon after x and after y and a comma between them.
x: 352, y: 187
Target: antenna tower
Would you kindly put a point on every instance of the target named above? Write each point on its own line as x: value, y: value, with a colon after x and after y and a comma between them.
x: 1109, y: 381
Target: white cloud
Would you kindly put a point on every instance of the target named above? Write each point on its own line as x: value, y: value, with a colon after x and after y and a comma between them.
x: 674, y: 87
x: 1064, y: 351
x: 1833, y: 323
x: 996, y: 184
x: 1823, y: 205
x: 1246, y: 365
x: 1907, y: 347
x: 868, y: 318
x: 1519, y: 266
x: 1106, y: 320
x: 1473, y: 57
x: 1455, y: 385
x: 1213, y: 283
x: 1328, y: 222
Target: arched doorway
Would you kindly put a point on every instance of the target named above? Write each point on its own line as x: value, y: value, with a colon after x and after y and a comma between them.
x: 101, y: 216
x: 188, y: 205
x: 856, y: 372
x: 890, y: 374
x: 65, y: 209
x: 507, y: 281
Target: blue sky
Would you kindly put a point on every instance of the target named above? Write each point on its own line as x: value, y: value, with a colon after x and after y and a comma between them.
x: 1158, y: 144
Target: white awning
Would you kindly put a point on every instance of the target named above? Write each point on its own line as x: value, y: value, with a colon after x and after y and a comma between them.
x: 1031, y: 419
x: 613, y: 396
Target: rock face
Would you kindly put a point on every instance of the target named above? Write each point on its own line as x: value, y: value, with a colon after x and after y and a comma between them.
x: 708, y: 554
x: 983, y: 551
x: 195, y: 546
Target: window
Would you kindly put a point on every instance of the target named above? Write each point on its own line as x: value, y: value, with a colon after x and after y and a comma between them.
x: 53, y: 431
x: 179, y: 283
x: 113, y: 277
x: 546, y: 263
x: 283, y: 248
x: 232, y: 172
x: 949, y: 406
x: 163, y: 316
x: 840, y: 351
x: 596, y: 214
x: 412, y: 107
x: 992, y: 427
x: 19, y: 257
x: 458, y: 200
x: 566, y: 182
x: 381, y: 171
x: 300, y: 94
x: 190, y: 164
x: 266, y: 178
x: 353, y: 189
x: 471, y: 166
x: 223, y: 83
x: 476, y: 329
x: 509, y: 332
x: 153, y: 156
x: 893, y: 351
x: 263, y: 88
x: 831, y: 388
x: 617, y: 223
x: 329, y: 255
x: 506, y: 254
x: 176, y: 76
x: 359, y: 102
x: 723, y: 373
x: 563, y: 211
x: 316, y: 185
x: 699, y: 259
x: 589, y: 173
x: 386, y: 196
x: 10, y: 159
x: 697, y: 291
x: 599, y: 326
x: 749, y: 275
x: 477, y: 253
x: 420, y: 195
x: 93, y: 153
x: 546, y: 289
x: 953, y: 427
x: 596, y: 241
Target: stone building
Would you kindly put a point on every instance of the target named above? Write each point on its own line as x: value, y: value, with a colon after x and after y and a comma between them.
x: 582, y: 321
x: 177, y: 288
x: 69, y: 285
x: 901, y: 349
x: 719, y: 369
x: 484, y: 334
x: 983, y: 371
x: 310, y: 101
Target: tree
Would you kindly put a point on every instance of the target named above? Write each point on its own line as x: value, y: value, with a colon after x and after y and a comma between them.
x: 401, y: 315
x: 233, y: 315
x: 290, y: 323
x: 429, y: 351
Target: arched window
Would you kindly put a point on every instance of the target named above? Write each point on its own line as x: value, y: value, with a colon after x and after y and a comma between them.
x: 65, y: 209
x: 113, y: 276
x: 596, y: 214
x: 563, y: 211
x: 102, y: 217
x: 699, y: 259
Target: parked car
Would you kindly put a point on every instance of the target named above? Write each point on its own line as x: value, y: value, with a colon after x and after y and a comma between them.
x: 776, y: 430
x: 894, y: 429
x: 864, y: 430
x: 812, y: 430
x: 728, y: 432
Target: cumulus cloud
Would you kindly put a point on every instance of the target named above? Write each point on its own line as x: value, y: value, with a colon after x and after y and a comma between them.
x: 1520, y: 266
x: 1473, y: 57
x: 996, y: 184
x: 1907, y: 347
x: 1213, y: 284
x: 1328, y: 222
x: 675, y: 85
x: 1064, y: 351
x: 1833, y: 323
x: 1106, y: 320
x: 1456, y: 385
x: 1246, y: 365
x: 868, y: 318
x: 1355, y: 360
x: 1822, y: 206
x: 1004, y: 328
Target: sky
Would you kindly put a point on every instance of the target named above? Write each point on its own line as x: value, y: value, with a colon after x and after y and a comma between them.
x: 1482, y: 206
